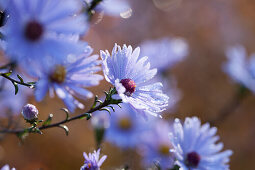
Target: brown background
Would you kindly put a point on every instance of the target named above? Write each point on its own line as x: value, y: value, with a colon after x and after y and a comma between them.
x: 209, y: 27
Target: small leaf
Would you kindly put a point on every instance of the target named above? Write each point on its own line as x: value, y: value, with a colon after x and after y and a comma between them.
x: 8, y: 74
x: 106, y: 109
x: 113, y: 109
x: 65, y: 128
x: 16, y: 87
x: 20, y: 78
x: 48, y: 121
x: 37, y: 130
x: 95, y: 102
x: 67, y: 112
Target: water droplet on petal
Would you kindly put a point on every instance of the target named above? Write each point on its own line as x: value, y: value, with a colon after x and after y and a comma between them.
x: 126, y: 14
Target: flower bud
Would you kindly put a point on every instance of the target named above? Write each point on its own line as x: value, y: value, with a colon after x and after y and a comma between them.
x: 29, y: 112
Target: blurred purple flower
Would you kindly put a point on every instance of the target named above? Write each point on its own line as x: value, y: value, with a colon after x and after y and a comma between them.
x: 125, y: 127
x: 112, y: 7
x: 7, y: 167
x: 9, y: 102
x: 43, y: 30
x: 240, y: 68
x: 165, y: 53
x: 195, y: 146
x: 131, y: 75
x: 155, y: 145
x: 69, y: 78
x: 92, y: 161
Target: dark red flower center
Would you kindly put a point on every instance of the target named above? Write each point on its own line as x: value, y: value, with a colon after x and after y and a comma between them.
x: 193, y: 159
x: 33, y: 31
x: 129, y: 85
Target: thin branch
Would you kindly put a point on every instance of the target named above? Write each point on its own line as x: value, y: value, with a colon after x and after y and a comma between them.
x: 108, y: 101
x: 16, y: 81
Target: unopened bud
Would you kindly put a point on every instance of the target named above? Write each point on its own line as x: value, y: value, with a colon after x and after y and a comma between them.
x: 29, y: 112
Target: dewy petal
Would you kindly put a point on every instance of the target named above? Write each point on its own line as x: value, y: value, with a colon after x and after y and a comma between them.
x: 201, y: 139
x: 126, y: 64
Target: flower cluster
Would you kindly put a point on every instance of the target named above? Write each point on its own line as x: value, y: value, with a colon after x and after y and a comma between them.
x: 44, y: 40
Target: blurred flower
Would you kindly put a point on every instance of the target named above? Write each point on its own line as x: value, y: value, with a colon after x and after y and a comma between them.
x: 240, y: 68
x: 100, y: 120
x: 7, y: 167
x: 92, y: 161
x: 69, y: 78
x: 9, y: 102
x: 156, y: 147
x: 29, y: 112
x: 195, y: 146
x: 125, y: 127
x: 165, y: 53
x: 112, y: 7
x: 130, y: 75
x: 42, y: 30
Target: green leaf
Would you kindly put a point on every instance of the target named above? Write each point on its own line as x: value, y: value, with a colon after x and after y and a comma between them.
x: 48, y: 120
x: 20, y: 78
x: 37, y: 130
x: 16, y: 87
x: 113, y: 109
x: 8, y: 74
x: 65, y: 128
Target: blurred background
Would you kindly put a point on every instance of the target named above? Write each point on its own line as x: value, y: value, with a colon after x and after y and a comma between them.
x: 209, y: 27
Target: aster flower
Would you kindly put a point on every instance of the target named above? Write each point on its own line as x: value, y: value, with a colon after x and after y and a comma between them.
x: 38, y: 30
x: 112, y: 7
x: 165, y: 53
x: 92, y: 161
x: 196, y: 148
x: 125, y: 127
x: 130, y: 75
x: 7, y: 167
x: 240, y: 68
x: 69, y: 78
x: 155, y: 145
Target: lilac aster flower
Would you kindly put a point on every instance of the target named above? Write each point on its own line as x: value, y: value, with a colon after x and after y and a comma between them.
x: 196, y: 148
x: 165, y: 53
x: 240, y: 68
x: 155, y: 145
x: 40, y: 29
x: 112, y: 7
x: 92, y: 161
x: 125, y: 127
x: 131, y: 75
x: 69, y: 78
x: 7, y: 167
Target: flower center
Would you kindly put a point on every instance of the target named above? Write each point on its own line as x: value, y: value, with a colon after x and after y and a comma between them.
x: 125, y: 123
x: 164, y: 149
x: 193, y: 159
x: 59, y: 74
x: 33, y: 31
x: 129, y: 85
x: 3, y: 18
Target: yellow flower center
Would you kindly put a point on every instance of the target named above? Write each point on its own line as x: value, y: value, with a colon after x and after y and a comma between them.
x: 125, y: 123
x: 59, y: 74
x: 164, y: 149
